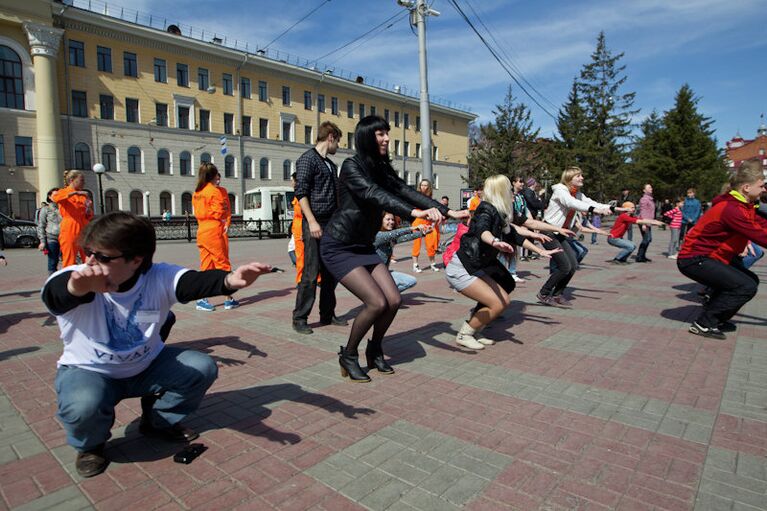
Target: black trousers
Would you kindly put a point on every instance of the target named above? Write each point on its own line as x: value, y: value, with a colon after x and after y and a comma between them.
x: 732, y: 287
x: 307, y: 288
x: 646, y: 231
x: 567, y: 263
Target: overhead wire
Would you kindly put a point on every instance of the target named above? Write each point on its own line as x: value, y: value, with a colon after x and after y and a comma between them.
x: 373, y: 36
x: 291, y: 27
x: 384, y: 22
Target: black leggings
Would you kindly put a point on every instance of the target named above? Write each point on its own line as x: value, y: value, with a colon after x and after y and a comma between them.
x: 380, y: 302
x: 566, y: 262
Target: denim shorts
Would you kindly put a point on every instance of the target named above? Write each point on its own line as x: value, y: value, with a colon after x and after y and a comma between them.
x: 457, y: 276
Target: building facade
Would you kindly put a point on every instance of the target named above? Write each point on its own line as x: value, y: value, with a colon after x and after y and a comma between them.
x: 739, y: 149
x: 82, y: 88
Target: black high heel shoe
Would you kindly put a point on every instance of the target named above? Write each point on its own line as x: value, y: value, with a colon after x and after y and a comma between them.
x: 350, y: 366
x: 375, y: 357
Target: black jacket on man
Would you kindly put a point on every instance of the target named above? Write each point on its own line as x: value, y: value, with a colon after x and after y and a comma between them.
x: 364, y: 194
x: 534, y: 203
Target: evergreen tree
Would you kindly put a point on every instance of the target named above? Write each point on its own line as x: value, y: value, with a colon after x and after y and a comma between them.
x: 608, y: 111
x: 507, y: 145
x: 571, y: 125
x: 648, y: 162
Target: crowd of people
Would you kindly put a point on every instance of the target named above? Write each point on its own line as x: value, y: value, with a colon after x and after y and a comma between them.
x: 114, y: 307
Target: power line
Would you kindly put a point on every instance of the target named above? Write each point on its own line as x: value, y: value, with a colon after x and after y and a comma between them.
x: 296, y: 23
x: 384, y: 22
x: 381, y: 31
x: 499, y: 60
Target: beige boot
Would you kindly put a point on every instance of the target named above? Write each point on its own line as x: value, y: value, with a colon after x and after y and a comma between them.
x: 482, y: 339
x: 466, y: 338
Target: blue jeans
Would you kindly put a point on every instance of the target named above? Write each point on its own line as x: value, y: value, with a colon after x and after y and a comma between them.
x: 749, y: 260
x: 403, y: 280
x: 87, y: 399
x: 625, y: 245
x: 54, y: 254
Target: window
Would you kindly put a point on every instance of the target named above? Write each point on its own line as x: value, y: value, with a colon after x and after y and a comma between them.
x: 82, y: 156
x: 372, y: 110
x: 396, y: 119
x: 228, y: 124
x: 406, y: 120
x: 79, y: 104
x: 107, y: 106
x: 350, y: 140
x: 185, y: 163
x: 203, y: 82
x: 104, y: 59
x: 287, y: 170
x: 334, y: 105
x: 111, y: 201
x: 418, y: 150
x: 263, y: 167
x: 308, y: 135
x: 418, y: 123
x: 396, y: 147
x: 287, y: 131
x: 350, y: 109
x: 436, y: 182
x: 161, y: 114
x: 247, y: 167
x: 137, y: 202
x: 229, y: 166
x: 163, y: 162
x: 160, y: 71
x: 227, y: 84
x: 134, y: 159
x: 386, y: 114
x: 204, y: 120
x: 232, y: 202
x: 131, y: 110
x: 24, y: 152
x: 109, y: 157
x: 166, y: 202
x: 406, y: 149
x: 2, y: 150
x: 183, y: 117
x: 263, y: 128
x: 362, y: 110
x: 186, y: 202
x: 130, y: 64
x: 321, y: 102
x: 182, y: 75
x: 27, y: 205
x: 263, y: 92
x: 76, y: 53
x: 285, y: 95
x: 205, y: 158
x: 434, y: 127
x: 434, y: 153
x: 307, y: 100
x: 245, y: 131
x: 245, y: 87
x: 11, y: 79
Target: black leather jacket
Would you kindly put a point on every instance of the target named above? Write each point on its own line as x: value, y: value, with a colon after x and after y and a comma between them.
x: 364, y: 194
x: 475, y: 254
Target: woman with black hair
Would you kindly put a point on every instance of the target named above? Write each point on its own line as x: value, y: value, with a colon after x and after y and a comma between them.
x: 368, y: 186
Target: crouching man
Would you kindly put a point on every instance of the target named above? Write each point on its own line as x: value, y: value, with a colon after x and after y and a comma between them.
x: 110, y: 311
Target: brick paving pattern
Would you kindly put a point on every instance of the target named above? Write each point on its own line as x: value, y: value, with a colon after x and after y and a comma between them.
x: 610, y: 404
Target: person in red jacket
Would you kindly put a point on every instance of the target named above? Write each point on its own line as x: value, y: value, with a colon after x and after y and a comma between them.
x: 709, y: 247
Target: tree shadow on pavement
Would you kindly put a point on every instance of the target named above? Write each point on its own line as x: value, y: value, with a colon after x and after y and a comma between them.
x: 9, y: 320
x: 232, y: 341
x: 5, y: 355
x: 418, y: 298
x: 241, y: 410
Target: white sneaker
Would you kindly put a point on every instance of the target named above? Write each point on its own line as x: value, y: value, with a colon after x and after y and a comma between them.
x: 416, y: 269
x: 672, y: 256
x: 485, y: 341
x: 433, y: 267
x: 517, y: 279
x: 468, y: 341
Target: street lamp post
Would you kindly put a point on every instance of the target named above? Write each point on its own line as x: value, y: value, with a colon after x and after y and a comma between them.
x: 9, y: 193
x: 148, y: 208
x: 99, y: 169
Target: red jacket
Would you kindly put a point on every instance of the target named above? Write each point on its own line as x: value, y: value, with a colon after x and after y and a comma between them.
x: 725, y: 229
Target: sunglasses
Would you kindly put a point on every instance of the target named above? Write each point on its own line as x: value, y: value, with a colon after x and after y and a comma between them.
x: 98, y: 256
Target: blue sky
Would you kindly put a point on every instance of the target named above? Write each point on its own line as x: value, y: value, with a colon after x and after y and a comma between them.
x: 719, y: 48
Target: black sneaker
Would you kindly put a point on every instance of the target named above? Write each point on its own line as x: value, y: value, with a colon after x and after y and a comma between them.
x: 91, y: 463
x: 727, y: 326
x: 333, y: 320
x: 302, y: 327
x: 712, y: 332
x: 545, y: 300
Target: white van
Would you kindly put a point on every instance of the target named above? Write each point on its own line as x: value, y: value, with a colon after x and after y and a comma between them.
x: 272, y: 206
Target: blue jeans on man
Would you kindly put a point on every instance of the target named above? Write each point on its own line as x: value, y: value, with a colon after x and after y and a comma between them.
x: 54, y: 255
x: 626, y: 246
x: 646, y: 240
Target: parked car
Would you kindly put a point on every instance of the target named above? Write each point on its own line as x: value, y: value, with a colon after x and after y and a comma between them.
x: 18, y: 233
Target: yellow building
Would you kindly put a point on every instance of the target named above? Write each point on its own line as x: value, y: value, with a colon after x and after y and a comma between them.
x: 150, y: 104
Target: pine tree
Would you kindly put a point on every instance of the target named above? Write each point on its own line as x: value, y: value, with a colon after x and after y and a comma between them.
x: 608, y: 119
x: 648, y: 162
x: 571, y: 125
x: 507, y: 145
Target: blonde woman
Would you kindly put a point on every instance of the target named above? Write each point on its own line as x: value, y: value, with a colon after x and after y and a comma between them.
x: 76, y: 211
x: 431, y: 240
x: 566, y: 202
x: 475, y: 270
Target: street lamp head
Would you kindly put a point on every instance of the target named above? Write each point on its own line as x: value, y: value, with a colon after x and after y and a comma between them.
x: 147, y: 193
x: 9, y: 191
x: 99, y: 168
x: 211, y: 90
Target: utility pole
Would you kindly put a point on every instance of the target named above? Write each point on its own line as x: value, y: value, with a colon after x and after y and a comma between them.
x: 418, y: 12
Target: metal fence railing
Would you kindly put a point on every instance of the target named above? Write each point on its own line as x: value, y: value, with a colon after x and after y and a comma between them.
x: 185, y: 228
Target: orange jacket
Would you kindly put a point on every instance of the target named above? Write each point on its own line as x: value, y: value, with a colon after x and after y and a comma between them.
x: 298, y: 218
x: 75, y: 213
x: 211, y: 210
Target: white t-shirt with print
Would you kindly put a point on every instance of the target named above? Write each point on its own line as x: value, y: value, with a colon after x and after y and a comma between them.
x: 118, y: 334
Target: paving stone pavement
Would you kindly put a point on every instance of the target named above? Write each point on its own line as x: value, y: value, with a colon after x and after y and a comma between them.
x: 608, y: 404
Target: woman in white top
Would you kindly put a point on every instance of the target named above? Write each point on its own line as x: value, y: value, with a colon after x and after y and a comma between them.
x: 566, y: 202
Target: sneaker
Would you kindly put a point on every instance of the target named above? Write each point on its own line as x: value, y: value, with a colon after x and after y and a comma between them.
x: 545, y: 300
x: 468, y: 341
x: 433, y: 267
x: 616, y: 261
x: 517, y: 278
x: 561, y: 300
x: 91, y: 463
x: 416, y: 269
x: 712, y: 332
x: 231, y: 304
x: 727, y: 326
x: 302, y: 327
x: 205, y: 305
x: 672, y: 256
x: 484, y: 340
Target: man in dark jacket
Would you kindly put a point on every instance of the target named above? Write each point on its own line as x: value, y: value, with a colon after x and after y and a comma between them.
x: 532, y: 194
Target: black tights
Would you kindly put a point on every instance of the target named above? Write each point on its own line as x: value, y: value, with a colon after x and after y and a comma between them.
x: 380, y: 302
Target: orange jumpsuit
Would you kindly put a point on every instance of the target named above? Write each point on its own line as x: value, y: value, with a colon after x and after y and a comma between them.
x: 211, y: 208
x: 296, y: 229
x: 75, y: 215
x: 474, y: 202
x: 431, y: 239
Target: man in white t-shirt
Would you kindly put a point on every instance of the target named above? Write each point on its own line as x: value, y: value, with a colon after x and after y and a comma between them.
x: 111, y: 312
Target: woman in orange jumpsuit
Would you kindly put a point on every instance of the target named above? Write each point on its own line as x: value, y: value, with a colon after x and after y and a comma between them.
x: 76, y: 210
x: 211, y: 208
x: 431, y: 239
